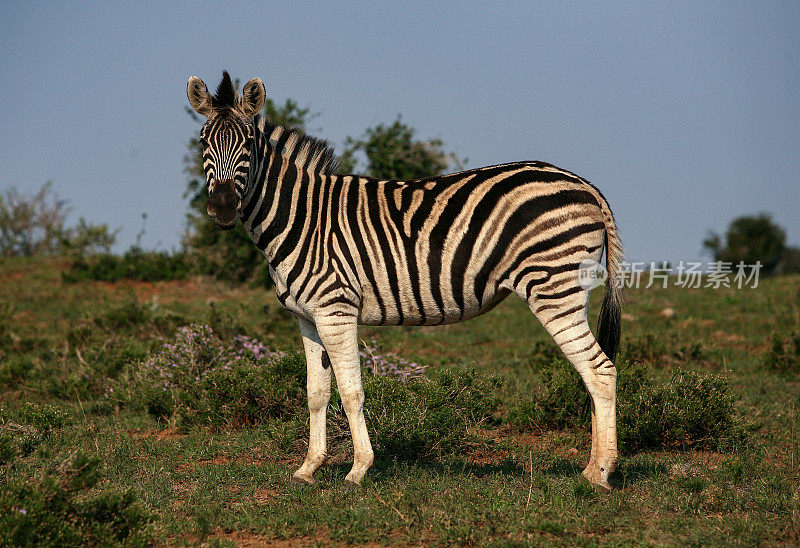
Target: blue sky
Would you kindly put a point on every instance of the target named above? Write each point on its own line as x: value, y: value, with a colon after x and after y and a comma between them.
x: 684, y: 115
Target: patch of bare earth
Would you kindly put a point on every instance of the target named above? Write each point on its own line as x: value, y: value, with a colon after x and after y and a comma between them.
x: 167, y: 434
x: 265, y: 496
x: 249, y: 540
x: 688, y: 322
x: 194, y: 465
x: 730, y: 339
x: 696, y: 463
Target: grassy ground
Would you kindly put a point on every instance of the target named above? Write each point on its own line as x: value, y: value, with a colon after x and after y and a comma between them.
x: 63, y: 344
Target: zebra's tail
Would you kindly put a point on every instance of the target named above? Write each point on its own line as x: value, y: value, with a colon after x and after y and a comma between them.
x: 609, y: 324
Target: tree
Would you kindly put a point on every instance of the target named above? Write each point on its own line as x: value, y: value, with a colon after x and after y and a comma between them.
x: 752, y: 238
x: 392, y: 152
x: 229, y: 254
x: 36, y: 225
x: 790, y: 263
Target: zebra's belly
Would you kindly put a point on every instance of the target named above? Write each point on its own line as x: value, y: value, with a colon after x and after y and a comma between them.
x: 407, y: 312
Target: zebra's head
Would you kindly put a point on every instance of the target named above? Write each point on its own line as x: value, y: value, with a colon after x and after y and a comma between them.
x: 227, y: 139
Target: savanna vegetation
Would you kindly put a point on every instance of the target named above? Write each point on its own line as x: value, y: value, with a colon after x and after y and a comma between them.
x: 174, y: 412
x: 156, y: 397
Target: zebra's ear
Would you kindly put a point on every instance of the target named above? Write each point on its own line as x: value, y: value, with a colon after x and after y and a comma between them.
x: 253, y: 96
x: 199, y: 97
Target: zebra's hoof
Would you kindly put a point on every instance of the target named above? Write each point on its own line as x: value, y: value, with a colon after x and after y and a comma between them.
x: 302, y: 479
x: 596, y: 481
x: 601, y: 486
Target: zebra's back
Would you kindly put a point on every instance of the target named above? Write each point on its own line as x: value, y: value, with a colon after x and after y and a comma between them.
x: 444, y: 249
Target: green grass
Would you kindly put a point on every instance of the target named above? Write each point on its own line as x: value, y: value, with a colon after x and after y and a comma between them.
x: 64, y: 345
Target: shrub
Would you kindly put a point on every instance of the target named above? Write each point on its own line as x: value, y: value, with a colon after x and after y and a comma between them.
x: 542, y: 355
x: 688, y: 410
x: 560, y: 404
x: 423, y: 418
x: 783, y: 355
x: 197, y: 380
x: 134, y: 264
x: 15, y: 369
x: 102, y: 345
x: 111, y: 361
x: 42, y: 416
x: 56, y: 510
x: 22, y: 430
x: 245, y: 393
x: 36, y: 225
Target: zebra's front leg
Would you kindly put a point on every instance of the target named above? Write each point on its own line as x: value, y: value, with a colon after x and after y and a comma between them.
x: 318, y: 384
x: 340, y: 338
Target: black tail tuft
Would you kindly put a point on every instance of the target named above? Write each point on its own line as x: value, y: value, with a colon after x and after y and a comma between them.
x: 609, y: 324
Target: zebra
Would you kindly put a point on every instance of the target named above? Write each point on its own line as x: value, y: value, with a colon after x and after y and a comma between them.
x: 345, y: 250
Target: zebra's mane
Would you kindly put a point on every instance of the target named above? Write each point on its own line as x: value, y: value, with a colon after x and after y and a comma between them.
x: 226, y: 96
x: 308, y: 152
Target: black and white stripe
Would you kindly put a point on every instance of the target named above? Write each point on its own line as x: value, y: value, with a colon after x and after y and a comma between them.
x: 346, y: 250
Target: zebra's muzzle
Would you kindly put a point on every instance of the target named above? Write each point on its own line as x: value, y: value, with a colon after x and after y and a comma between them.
x: 223, y: 204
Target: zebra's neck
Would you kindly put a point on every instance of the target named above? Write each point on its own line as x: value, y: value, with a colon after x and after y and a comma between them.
x: 284, y: 162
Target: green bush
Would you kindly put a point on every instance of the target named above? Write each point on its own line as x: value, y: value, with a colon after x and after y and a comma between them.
x: 16, y: 369
x: 783, y: 355
x: 22, y: 430
x: 423, y: 418
x: 560, y: 404
x: 688, y: 410
x: 111, y: 361
x: 134, y: 264
x: 42, y: 416
x: 246, y: 393
x: 197, y: 380
x: 103, y: 344
x: 57, y: 509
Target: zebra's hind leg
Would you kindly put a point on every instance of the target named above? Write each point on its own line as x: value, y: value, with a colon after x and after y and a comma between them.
x: 318, y: 384
x: 563, y: 315
x: 339, y: 335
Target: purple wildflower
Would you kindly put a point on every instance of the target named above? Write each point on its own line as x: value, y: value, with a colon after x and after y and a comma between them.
x: 389, y: 364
